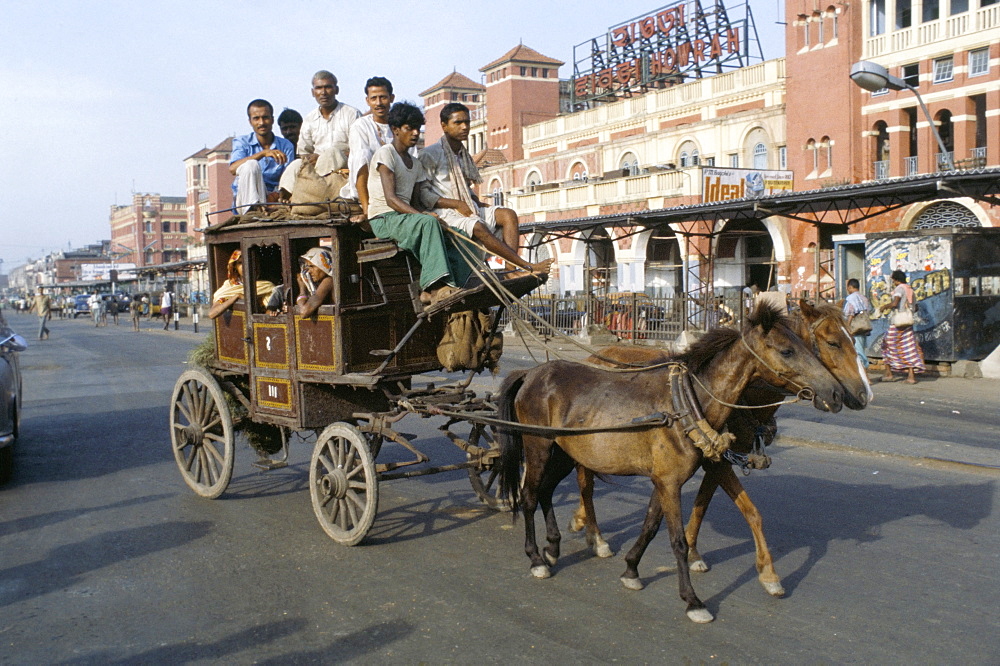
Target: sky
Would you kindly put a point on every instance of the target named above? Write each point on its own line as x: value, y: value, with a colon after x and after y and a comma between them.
x: 100, y: 99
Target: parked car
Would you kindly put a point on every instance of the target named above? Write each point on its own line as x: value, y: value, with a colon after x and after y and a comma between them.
x: 81, y: 305
x: 10, y: 396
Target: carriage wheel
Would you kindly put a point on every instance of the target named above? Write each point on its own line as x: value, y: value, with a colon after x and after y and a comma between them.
x: 343, y: 484
x: 483, y: 478
x: 201, y: 431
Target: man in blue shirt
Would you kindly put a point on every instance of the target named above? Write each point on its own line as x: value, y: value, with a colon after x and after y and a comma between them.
x: 259, y: 158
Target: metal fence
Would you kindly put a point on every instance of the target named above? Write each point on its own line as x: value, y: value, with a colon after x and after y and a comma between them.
x: 632, y: 316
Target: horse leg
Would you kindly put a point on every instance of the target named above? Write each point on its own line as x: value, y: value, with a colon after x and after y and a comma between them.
x: 558, y: 467
x: 585, y: 515
x: 650, y: 526
x: 765, y: 565
x: 705, y: 492
x: 536, y: 454
x: 669, y: 493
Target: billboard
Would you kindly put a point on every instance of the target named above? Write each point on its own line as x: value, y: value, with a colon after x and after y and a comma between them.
x: 103, y: 271
x: 664, y: 47
x: 726, y: 184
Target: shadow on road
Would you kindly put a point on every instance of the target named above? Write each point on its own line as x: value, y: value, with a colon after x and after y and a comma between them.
x: 66, y: 566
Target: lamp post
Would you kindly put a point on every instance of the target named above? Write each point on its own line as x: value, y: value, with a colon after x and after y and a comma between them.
x: 873, y: 77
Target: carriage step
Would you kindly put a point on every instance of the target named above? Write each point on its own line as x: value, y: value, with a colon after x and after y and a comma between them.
x: 268, y: 464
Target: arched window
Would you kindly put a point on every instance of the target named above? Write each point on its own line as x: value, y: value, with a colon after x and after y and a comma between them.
x: 759, y: 156
x: 578, y: 172
x: 534, y: 179
x: 695, y: 158
x: 688, y: 155
x: 496, y: 191
x: 828, y: 146
x: 629, y: 165
x: 684, y: 159
x: 947, y: 132
x: 811, y: 147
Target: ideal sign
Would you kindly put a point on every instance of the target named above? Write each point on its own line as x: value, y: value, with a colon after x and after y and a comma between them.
x: 725, y: 184
x: 664, y: 47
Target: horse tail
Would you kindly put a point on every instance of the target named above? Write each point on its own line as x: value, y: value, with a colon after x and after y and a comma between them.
x: 511, y: 443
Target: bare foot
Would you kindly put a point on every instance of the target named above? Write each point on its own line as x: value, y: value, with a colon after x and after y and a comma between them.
x: 909, y: 381
x: 542, y: 267
x: 425, y: 297
x: 440, y: 293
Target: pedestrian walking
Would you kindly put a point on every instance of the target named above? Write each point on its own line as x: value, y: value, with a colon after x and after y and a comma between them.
x: 96, y: 306
x: 112, y: 308
x: 856, y: 309
x: 43, y: 308
x: 900, y: 350
x: 135, y: 309
x: 166, y: 307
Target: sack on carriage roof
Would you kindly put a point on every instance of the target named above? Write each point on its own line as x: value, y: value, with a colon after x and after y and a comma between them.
x: 311, y: 187
x: 466, y: 344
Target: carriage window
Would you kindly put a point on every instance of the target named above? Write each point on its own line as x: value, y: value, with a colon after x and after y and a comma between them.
x: 221, y: 255
x: 301, y: 246
x: 265, y: 275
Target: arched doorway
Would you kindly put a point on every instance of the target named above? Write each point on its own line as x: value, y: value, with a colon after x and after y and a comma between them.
x: 600, y: 268
x: 947, y: 132
x: 664, y: 266
x: 744, y: 255
x: 946, y: 214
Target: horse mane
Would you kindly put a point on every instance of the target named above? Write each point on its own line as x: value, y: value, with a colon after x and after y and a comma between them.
x: 710, y: 345
x: 828, y: 310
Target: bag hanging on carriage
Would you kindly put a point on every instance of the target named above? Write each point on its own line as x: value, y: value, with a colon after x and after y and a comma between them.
x: 467, y: 345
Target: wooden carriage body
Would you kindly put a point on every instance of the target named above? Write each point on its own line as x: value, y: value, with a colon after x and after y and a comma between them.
x: 305, y: 373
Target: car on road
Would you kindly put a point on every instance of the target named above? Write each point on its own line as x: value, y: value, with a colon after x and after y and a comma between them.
x: 10, y: 396
x: 81, y: 305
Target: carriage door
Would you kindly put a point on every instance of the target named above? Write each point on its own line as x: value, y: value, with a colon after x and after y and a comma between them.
x: 271, y: 343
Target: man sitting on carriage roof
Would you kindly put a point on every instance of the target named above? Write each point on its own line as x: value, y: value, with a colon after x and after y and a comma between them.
x: 447, y: 191
x: 323, y: 138
x: 259, y: 158
x: 369, y: 133
x: 391, y: 211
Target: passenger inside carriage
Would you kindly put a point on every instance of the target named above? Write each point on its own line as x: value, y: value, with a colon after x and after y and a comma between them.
x: 231, y: 290
x: 315, y: 281
x: 391, y: 212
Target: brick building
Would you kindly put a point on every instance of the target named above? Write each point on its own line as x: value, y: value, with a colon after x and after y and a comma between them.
x: 151, y: 230
x: 647, y: 148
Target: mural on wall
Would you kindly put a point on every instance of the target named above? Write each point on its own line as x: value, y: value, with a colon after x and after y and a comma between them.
x: 927, y: 264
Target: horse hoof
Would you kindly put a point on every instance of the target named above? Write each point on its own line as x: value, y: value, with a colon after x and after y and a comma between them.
x: 773, y: 588
x: 541, y: 571
x: 632, y: 583
x: 603, y: 550
x: 550, y: 558
x: 699, y: 566
x: 700, y: 615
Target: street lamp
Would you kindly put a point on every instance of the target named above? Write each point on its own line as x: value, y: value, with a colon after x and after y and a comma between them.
x: 874, y: 77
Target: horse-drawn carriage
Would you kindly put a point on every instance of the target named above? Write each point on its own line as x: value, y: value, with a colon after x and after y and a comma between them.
x: 346, y: 372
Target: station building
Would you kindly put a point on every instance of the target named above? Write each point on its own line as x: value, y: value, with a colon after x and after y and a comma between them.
x: 678, y: 140
x: 152, y: 229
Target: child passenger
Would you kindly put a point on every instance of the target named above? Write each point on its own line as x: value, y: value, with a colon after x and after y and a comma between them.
x: 392, y: 215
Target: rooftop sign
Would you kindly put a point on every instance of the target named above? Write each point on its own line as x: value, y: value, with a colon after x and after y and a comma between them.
x: 664, y: 47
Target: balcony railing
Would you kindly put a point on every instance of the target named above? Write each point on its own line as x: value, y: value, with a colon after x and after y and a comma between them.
x: 949, y: 27
x: 618, y: 190
x: 979, y: 155
x: 910, y: 164
x: 944, y: 160
x: 881, y: 169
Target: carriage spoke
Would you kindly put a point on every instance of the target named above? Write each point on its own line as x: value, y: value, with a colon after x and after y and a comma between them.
x: 355, y: 500
x: 213, y: 437
x: 189, y: 461
x: 182, y: 408
x: 216, y: 420
x: 334, y: 508
x: 210, y: 471
x: 355, y: 472
x: 334, y: 457
x: 192, y: 403
x: 327, y: 464
x: 351, y: 508
x: 215, y: 453
x: 342, y: 515
x: 351, y: 455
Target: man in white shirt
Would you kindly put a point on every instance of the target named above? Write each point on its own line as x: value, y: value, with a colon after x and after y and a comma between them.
x: 323, y: 138
x: 447, y: 192
x: 368, y: 133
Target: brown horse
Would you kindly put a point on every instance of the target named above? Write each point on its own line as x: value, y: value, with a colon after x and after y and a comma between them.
x: 823, y: 327
x: 555, y: 398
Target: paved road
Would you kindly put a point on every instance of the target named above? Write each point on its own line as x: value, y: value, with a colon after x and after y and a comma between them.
x: 108, y: 558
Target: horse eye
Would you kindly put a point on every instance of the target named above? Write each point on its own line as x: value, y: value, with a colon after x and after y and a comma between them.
x: 787, y: 353
x: 834, y: 344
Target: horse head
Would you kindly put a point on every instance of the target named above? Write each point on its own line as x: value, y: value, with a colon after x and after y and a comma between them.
x: 824, y: 326
x: 784, y: 360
